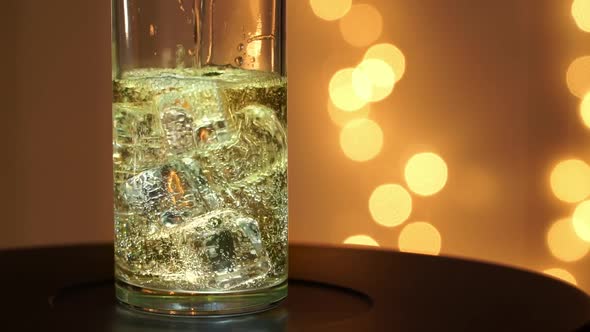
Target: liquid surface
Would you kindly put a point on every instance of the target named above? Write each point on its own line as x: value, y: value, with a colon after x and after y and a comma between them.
x: 200, y: 179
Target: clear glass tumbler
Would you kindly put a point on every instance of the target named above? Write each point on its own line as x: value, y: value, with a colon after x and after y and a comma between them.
x: 199, y: 155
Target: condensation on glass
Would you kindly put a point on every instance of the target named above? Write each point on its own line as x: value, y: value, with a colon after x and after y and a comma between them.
x: 199, y: 155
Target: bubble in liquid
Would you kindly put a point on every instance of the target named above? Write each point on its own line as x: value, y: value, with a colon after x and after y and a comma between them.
x: 240, y: 47
x: 239, y: 60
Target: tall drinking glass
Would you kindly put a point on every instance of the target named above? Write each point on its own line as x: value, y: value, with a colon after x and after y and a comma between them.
x: 199, y: 155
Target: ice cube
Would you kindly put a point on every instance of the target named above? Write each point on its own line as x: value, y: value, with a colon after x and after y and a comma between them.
x: 207, y: 100
x: 178, y: 126
x: 138, y: 139
x: 265, y: 196
x: 217, y: 251
x: 193, y: 117
x: 212, y: 132
x: 221, y: 249
x: 258, y: 143
x: 169, y: 194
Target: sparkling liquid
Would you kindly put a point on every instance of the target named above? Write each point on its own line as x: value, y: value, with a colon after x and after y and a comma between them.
x: 200, y: 179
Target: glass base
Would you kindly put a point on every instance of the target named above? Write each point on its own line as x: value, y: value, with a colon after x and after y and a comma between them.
x: 200, y: 304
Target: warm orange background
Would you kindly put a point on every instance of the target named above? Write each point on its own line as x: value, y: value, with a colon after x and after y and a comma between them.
x: 484, y: 88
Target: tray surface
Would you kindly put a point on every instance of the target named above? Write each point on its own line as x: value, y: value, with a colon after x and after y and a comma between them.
x: 330, y: 289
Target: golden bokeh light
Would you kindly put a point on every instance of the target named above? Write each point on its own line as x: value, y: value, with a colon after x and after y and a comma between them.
x: 341, y: 118
x: 570, y: 180
x: 564, y: 243
x: 581, y: 220
x: 361, y: 139
x: 585, y: 110
x: 578, y: 76
x: 581, y: 14
x: 344, y: 94
x: 561, y: 274
x: 421, y: 238
x: 361, y: 240
x: 426, y: 173
x: 330, y: 10
x: 390, y: 205
x: 362, y: 25
x: 391, y: 55
x: 380, y: 75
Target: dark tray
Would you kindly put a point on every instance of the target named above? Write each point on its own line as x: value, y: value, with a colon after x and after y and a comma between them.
x: 330, y: 289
